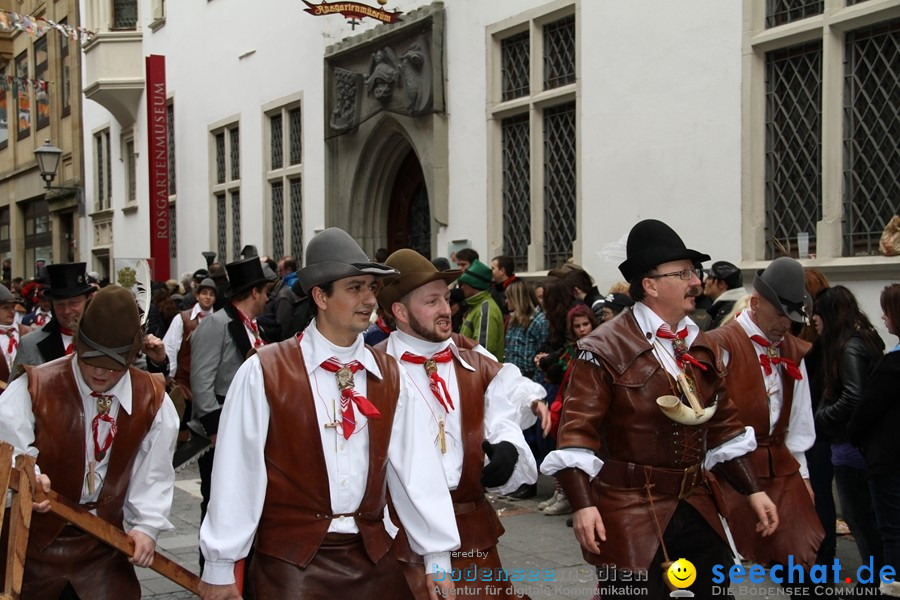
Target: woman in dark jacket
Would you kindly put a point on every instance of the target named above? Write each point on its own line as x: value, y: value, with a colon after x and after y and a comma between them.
x: 874, y: 427
x: 850, y: 346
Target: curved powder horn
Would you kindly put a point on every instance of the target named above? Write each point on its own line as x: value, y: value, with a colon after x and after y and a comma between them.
x: 672, y: 407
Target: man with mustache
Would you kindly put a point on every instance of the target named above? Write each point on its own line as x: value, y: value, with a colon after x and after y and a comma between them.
x: 477, y: 407
x: 768, y: 381
x: 637, y: 476
x: 314, y: 431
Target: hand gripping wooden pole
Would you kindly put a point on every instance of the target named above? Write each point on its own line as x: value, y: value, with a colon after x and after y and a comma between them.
x: 22, y: 481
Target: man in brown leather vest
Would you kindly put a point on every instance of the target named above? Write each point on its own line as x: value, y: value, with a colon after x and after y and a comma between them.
x: 768, y: 381
x: 103, y: 433
x: 314, y: 431
x: 475, y: 407
x: 645, y: 408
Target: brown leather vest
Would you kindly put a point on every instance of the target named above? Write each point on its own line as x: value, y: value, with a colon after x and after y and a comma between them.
x: 59, y: 432
x: 747, y: 389
x: 183, y: 370
x: 297, y: 509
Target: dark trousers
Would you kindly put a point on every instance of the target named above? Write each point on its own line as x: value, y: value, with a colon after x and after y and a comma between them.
x: 856, y: 507
x: 821, y: 475
x: 688, y: 536
x: 885, y: 490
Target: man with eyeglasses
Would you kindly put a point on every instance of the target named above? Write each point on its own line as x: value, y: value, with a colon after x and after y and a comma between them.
x: 103, y: 433
x: 723, y: 286
x: 768, y: 380
x: 646, y: 414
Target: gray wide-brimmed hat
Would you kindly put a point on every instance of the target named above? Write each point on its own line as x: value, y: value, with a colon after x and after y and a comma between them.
x: 7, y: 297
x: 331, y: 255
x: 782, y: 283
x: 209, y: 284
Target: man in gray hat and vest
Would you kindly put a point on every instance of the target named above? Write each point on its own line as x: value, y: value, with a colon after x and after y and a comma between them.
x: 477, y: 408
x: 219, y: 345
x: 315, y: 430
x: 103, y: 433
x: 768, y: 382
x: 645, y: 415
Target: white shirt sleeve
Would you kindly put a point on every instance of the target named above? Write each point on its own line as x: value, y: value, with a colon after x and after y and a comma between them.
x: 418, y: 486
x: 505, y: 398
x: 17, y: 418
x: 172, y: 342
x: 236, y: 503
x: 801, y: 433
x: 149, y: 498
x: 572, y: 458
x: 739, y: 445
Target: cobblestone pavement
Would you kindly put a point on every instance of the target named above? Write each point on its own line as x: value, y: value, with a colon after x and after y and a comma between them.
x: 534, y: 542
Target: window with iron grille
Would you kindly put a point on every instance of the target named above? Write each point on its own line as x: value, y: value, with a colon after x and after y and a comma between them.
x: 537, y: 164
x: 559, y: 53
x: 559, y: 184
x: 173, y: 231
x: 852, y: 2
x: 227, y: 185
x: 779, y: 12
x: 170, y: 123
x: 793, y: 156
x: 515, y: 56
x: 124, y: 14
x: 4, y: 229
x: 516, y: 189
x: 871, y: 135
x: 65, y: 85
x: 42, y: 91
x: 103, y: 171
x: 284, y: 170
x: 131, y: 170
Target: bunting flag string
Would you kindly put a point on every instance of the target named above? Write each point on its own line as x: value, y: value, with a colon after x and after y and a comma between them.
x: 38, y: 26
x: 8, y: 82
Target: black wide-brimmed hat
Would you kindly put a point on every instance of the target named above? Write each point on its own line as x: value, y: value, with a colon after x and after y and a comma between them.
x: 415, y: 271
x: 727, y: 272
x: 67, y: 280
x: 651, y: 243
x: 783, y: 284
x: 245, y: 274
x: 331, y: 255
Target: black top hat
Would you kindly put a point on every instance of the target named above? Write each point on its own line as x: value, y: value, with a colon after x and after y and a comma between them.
x: 728, y: 273
x: 652, y: 243
x: 200, y: 274
x: 67, y: 280
x: 245, y: 274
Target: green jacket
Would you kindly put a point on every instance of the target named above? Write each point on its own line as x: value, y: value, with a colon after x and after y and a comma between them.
x: 484, y: 323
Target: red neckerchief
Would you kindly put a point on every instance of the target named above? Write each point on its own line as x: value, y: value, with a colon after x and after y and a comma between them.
x: 435, y: 381
x: 349, y: 396
x: 682, y: 356
x: 771, y: 358
x: 252, y: 327
x: 70, y: 349
x: 380, y: 324
x: 13, y: 341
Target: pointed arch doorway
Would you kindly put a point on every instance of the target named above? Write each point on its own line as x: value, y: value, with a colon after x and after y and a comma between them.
x: 409, y: 215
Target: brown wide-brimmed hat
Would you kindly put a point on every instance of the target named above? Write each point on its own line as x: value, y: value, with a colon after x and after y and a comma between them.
x: 415, y: 271
x: 109, y: 333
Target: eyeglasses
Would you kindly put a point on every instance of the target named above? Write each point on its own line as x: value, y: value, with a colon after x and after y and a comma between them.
x: 684, y: 275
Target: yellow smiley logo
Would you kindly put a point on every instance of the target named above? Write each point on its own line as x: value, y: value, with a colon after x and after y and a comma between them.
x: 682, y: 573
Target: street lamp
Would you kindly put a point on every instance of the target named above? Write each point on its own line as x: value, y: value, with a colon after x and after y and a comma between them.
x: 48, y: 161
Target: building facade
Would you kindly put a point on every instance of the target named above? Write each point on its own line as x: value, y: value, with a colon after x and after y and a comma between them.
x: 40, y: 100
x: 539, y: 129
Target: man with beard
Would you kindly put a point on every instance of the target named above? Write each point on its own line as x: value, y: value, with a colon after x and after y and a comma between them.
x: 69, y: 293
x: 633, y: 456
x: 477, y: 408
x: 314, y: 432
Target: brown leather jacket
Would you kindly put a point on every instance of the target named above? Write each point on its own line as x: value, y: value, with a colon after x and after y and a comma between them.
x: 183, y: 369
x: 800, y: 531
x: 610, y: 409
x: 59, y: 436
x: 297, y: 509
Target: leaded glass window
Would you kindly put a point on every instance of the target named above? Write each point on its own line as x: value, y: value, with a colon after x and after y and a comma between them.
x: 235, y: 148
x: 559, y: 184
x: 559, y: 53
x: 515, y: 56
x: 235, y: 224
x: 277, y: 189
x: 221, y: 228
x: 779, y: 12
x: 220, y: 158
x: 871, y: 135
x: 516, y: 189
x: 295, y: 140
x: 276, y: 141
x: 173, y: 232
x: 296, y: 220
x: 170, y: 123
x: 124, y: 14
x: 793, y: 159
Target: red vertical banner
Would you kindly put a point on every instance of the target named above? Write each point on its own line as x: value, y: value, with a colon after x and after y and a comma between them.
x: 158, y: 146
